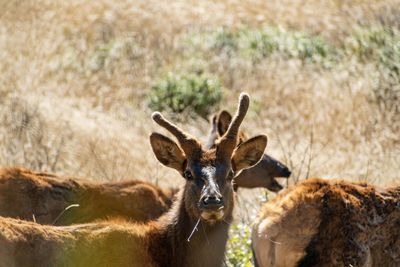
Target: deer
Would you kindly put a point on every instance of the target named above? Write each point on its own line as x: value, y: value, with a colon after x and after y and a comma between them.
x: 58, y: 200
x: 261, y: 175
x: 53, y: 199
x: 193, y: 232
x: 329, y: 223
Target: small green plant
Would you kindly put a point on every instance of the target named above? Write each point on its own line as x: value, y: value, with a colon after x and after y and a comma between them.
x: 181, y: 93
x: 239, y: 247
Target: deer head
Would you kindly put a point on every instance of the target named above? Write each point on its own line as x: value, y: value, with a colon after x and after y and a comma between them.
x: 263, y: 174
x: 208, y: 192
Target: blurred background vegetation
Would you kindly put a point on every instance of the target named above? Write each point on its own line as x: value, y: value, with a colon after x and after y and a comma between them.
x: 79, y: 80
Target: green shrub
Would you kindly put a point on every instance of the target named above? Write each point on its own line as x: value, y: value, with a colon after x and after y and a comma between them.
x: 239, y: 247
x: 380, y: 46
x: 193, y: 93
x: 306, y: 47
x: 262, y: 43
x: 113, y: 52
x: 225, y: 40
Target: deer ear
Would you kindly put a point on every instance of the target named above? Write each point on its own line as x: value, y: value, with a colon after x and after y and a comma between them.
x: 213, y: 135
x: 249, y: 153
x: 224, y: 119
x: 167, y: 151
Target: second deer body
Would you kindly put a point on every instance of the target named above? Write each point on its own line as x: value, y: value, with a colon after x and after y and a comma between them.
x: 329, y: 223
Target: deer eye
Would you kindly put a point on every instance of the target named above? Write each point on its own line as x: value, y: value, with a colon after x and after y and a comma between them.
x: 188, y: 175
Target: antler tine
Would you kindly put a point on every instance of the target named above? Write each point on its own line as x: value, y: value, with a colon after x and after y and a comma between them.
x: 229, y: 139
x: 187, y: 142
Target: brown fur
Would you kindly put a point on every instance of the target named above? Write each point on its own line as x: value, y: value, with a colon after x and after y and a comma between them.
x: 261, y: 175
x: 329, y: 223
x: 25, y: 194
x: 207, y: 198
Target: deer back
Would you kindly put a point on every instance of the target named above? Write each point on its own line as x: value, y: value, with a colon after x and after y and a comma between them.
x: 329, y: 223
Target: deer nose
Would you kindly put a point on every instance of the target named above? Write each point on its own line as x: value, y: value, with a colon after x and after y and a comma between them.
x: 286, y: 172
x: 212, y: 202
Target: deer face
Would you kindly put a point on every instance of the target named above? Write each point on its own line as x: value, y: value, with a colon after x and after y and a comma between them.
x: 263, y: 174
x: 208, y: 190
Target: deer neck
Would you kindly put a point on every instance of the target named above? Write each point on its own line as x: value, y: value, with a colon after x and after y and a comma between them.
x: 188, y: 245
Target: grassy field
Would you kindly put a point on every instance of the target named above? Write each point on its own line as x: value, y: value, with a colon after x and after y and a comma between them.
x: 79, y: 80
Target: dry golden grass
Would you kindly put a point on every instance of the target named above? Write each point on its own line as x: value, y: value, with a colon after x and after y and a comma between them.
x: 74, y: 76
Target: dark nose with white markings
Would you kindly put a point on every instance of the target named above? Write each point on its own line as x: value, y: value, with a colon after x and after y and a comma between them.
x: 212, y: 202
